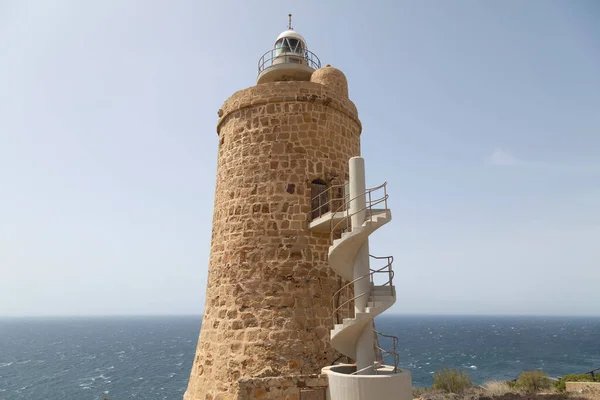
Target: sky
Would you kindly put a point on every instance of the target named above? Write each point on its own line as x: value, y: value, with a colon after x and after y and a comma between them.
x: 484, y: 118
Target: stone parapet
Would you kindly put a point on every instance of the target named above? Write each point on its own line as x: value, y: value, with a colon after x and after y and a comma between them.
x: 286, y: 92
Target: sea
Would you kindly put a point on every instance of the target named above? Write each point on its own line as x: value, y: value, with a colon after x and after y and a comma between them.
x: 150, y: 357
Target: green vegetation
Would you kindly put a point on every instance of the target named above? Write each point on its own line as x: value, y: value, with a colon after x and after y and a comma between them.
x: 452, y: 380
x: 561, y: 383
x: 513, y: 384
x: 448, y: 383
x: 533, y: 381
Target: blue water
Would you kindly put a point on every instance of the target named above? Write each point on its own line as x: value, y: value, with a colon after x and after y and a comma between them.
x: 495, y: 347
x: 150, y: 358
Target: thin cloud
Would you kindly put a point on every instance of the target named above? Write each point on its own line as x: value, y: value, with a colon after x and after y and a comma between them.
x: 500, y: 157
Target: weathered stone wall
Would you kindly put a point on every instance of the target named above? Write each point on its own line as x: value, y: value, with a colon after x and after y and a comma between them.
x: 294, y: 387
x: 268, y: 308
x: 583, y: 387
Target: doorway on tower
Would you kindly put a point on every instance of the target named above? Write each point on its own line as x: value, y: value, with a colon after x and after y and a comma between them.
x: 327, y: 198
x: 319, y: 203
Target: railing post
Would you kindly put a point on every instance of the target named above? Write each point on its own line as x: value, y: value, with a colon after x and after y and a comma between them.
x: 320, y: 205
x: 334, y: 307
x: 390, y: 261
x: 385, y: 194
x: 351, y: 302
x: 369, y: 206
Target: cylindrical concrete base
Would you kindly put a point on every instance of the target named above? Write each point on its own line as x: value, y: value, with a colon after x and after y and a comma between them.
x: 387, y: 385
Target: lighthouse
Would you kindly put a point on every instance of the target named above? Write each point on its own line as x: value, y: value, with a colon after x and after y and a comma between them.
x: 277, y: 318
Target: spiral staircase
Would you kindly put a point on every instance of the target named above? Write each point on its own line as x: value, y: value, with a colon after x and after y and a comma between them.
x: 362, y: 298
x: 351, y: 213
x: 350, y: 321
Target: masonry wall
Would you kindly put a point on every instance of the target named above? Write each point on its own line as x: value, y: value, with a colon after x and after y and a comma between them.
x: 268, y: 308
x: 583, y: 387
x: 294, y: 387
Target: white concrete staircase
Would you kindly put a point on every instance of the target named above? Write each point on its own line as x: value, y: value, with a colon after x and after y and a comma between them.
x: 344, y: 336
x: 369, y: 291
x: 343, y: 250
x: 350, y: 322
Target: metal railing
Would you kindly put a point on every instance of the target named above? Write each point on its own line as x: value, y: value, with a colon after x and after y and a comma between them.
x: 385, y: 354
x: 592, y: 372
x: 346, y: 309
x: 332, y: 198
x: 393, y: 352
x: 390, y: 271
x: 369, y: 201
x: 335, y: 198
x: 277, y: 56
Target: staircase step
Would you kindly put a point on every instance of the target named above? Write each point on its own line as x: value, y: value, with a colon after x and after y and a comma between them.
x: 382, y: 300
x: 383, y: 293
x: 386, y: 290
x: 382, y: 287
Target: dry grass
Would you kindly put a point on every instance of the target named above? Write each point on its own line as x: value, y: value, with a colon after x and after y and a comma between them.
x: 497, y: 388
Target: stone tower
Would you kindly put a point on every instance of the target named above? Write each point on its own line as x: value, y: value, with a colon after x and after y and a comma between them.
x: 268, y: 305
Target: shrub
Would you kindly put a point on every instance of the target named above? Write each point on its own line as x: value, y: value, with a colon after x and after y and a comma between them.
x: 533, y: 381
x: 513, y: 384
x: 561, y: 383
x: 451, y: 380
x: 497, y: 388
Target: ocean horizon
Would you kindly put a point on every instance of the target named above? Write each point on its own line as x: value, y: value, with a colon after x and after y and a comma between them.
x: 150, y: 357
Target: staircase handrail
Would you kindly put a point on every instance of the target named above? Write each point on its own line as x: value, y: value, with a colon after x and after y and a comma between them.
x: 337, y: 311
x: 366, y: 368
x: 371, y: 274
x: 393, y: 352
x: 368, y: 206
x: 390, y: 261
